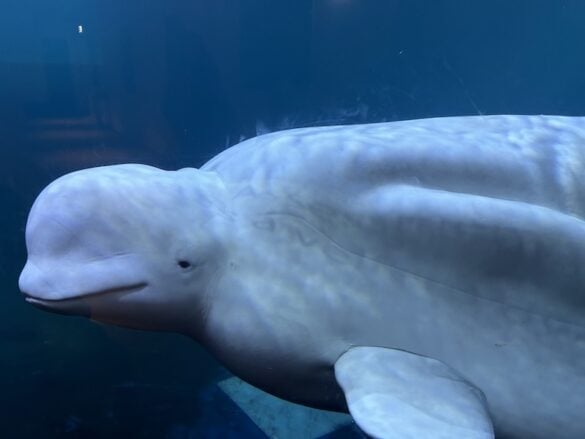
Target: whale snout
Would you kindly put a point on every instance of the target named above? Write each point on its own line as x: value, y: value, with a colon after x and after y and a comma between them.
x: 32, y: 282
x: 72, y: 291
x: 39, y: 292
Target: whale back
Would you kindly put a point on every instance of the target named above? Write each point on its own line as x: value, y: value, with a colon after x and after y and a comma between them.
x: 472, y: 203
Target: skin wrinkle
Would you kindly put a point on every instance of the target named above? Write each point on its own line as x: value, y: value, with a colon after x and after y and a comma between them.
x: 425, y: 278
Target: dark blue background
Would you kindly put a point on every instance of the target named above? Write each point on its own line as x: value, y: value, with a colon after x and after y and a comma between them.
x: 171, y: 83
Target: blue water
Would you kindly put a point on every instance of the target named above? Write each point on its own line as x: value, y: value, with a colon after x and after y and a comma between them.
x: 171, y: 83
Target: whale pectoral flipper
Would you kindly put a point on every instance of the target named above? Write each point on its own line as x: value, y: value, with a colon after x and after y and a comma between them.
x: 397, y: 394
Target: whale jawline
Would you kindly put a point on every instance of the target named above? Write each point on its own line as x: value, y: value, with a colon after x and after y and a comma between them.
x: 78, y: 305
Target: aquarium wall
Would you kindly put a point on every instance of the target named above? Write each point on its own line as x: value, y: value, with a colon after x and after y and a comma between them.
x: 173, y: 83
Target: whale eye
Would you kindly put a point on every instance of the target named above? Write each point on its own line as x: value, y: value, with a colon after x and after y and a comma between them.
x: 184, y: 264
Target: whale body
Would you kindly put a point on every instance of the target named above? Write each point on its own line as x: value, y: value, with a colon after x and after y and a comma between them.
x: 427, y: 276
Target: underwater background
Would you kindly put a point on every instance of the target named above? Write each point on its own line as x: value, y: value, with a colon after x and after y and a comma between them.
x: 171, y: 84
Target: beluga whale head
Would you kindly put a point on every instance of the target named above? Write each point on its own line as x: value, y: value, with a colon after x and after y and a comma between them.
x: 130, y: 245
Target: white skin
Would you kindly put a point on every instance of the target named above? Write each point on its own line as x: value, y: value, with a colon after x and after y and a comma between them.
x: 460, y: 239
x: 116, y: 265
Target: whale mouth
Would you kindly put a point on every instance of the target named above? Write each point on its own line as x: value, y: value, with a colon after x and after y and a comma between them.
x: 80, y: 304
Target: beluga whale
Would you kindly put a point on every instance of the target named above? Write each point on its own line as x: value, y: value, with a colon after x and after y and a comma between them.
x: 427, y: 276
